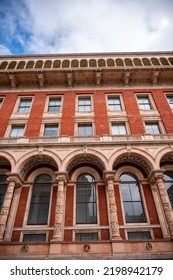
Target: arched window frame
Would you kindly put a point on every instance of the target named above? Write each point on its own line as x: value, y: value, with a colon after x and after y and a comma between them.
x: 168, y: 170
x: 139, y: 177
x: 31, y: 179
x: 91, y: 171
x: 3, y: 174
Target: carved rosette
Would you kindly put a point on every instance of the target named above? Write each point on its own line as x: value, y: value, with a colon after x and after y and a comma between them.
x: 57, y: 230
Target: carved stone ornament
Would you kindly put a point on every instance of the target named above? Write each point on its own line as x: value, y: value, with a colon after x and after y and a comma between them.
x: 148, y: 246
x: 2, y: 227
x: 4, y: 210
x: 111, y: 193
x: 57, y: 229
x: 112, y: 208
x: 114, y: 226
x: 59, y: 209
x: 86, y: 247
x: 24, y: 249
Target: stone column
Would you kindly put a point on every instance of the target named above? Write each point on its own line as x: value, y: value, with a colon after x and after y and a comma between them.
x: 14, y: 181
x: 61, y: 178
x: 111, y: 205
x: 166, y: 205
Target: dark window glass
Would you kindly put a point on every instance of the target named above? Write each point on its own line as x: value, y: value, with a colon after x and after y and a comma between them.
x: 86, y: 236
x: 133, y: 207
x: 3, y: 189
x: 39, y: 206
x: 51, y: 130
x: 85, y: 129
x: 168, y: 180
x: 86, y: 210
x: 54, y: 105
x: 152, y: 128
x: 84, y: 104
x: 144, y: 103
x: 24, y: 105
x: 34, y: 237
x: 1, y: 101
x: 114, y: 103
x: 139, y: 235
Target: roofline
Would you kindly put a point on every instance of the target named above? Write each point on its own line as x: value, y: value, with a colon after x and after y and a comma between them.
x: 101, y: 54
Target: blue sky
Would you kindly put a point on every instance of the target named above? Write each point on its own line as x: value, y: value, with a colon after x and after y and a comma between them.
x: 70, y: 26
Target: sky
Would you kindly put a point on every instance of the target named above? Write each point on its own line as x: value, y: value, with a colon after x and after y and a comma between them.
x: 85, y: 26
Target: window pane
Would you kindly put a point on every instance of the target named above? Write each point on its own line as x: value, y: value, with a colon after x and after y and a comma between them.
x: 51, y: 130
x: 168, y: 180
x: 84, y: 104
x: 118, y: 129
x: 152, y: 128
x: 1, y: 101
x: 39, y: 206
x: 114, y: 103
x: 144, y: 103
x: 24, y: 106
x: 3, y: 189
x: 85, y: 130
x: 87, y: 236
x: 86, y: 211
x: 139, y: 235
x: 54, y: 105
x: 17, y: 131
x: 34, y: 237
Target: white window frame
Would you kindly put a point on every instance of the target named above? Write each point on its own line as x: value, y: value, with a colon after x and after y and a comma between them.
x: 16, y: 107
x: 51, y: 124
x: 114, y: 96
x: 17, y: 125
x: 153, y: 122
x: 2, y: 100
x: 22, y: 99
x: 119, y: 123
x: 169, y: 94
x: 85, y: 123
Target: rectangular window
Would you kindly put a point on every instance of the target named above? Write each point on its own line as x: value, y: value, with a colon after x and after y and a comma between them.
x: 152, y: 128
x: 54, y: 104
x: 85, y: 129
x: 139, y: 235
x: 114, y: 103
x: 86, y: 236
x: 17, y: 131
x: 34, y: 237
x: 118, y: 129
x: 51, y: 130
x: 144, y: 103
x: 24, y: 106
x: 84, y: 104
x: 170, y: 100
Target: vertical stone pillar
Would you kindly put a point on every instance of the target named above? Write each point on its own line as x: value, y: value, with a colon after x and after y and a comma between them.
x: 61, y: 178
x: 14, y: 181
x: 159, y: 209
x: 166, y: 205
x: 111, y: 205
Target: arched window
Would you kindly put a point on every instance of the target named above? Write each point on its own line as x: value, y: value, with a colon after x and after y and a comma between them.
x: 168, y: 179
x: 39, y: 206
x: 86, y: 209
x: 3, y: 188
x: 132, y: 202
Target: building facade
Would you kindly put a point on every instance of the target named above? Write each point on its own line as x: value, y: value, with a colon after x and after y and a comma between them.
x: 86, y: 156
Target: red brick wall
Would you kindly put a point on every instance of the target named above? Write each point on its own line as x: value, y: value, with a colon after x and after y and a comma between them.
x: 69, y: 206
x: 133, y: 113
x: 101, y: 118
x: 102, y: 206
x: 15, y: 236
x: 157, y: 233
x: 35, y: 119
x: 150, y: 205
x: 6, y: 111
x: 21, y: 207
x: 68, y: 114
x: 164, y: 109
x: 53, y: 206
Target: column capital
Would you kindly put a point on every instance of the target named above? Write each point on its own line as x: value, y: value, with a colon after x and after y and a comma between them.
x: 61, y: 176
x: 15, y: 177
x: 109, y: 175
x: 155, y: 175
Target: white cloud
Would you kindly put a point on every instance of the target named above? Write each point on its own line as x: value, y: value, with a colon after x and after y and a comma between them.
x: 4, y: 50
x: 92, y: 26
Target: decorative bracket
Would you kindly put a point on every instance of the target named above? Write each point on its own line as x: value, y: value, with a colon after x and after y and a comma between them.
x: 98, y: 79
x: 41, y: 80
x: 155, y: 78
x: 13, y: 81
x: 69, y: 79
